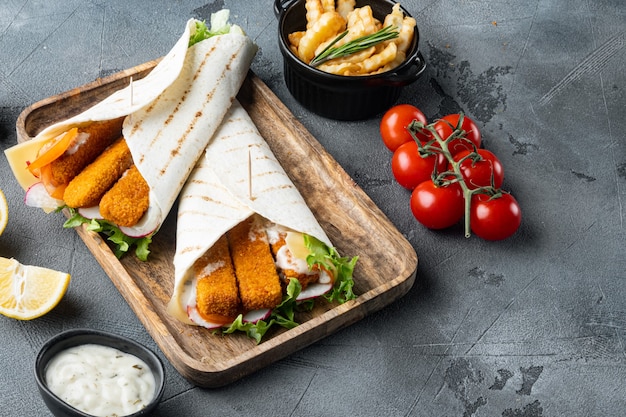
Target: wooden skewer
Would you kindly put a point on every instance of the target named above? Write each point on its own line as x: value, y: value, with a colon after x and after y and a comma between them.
x: 131, y: 91
x: 250, y: 174
x: 130, y: 116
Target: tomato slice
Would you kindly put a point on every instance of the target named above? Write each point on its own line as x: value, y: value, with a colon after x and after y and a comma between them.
x: 54, y: 151
x: 55, y: 190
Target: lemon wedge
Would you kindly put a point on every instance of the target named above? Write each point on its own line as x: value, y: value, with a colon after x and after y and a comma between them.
x: 28, y: 292
x: 4, y: 212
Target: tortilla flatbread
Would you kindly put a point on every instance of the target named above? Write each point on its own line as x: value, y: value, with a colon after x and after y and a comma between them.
x: 217, y: 197
x: 172, y: 113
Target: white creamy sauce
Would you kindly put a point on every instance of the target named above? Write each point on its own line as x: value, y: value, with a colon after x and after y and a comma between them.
x: 77, y: 143
x: 256, y: 230
x: 100, y: 380
x: 325, y: 278
x: 212, y: 267
x: 188, y: 295
x: 273, y: 232
x: 285, y: 260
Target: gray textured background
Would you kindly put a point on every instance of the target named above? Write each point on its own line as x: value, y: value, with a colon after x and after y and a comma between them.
x: 531, y: 326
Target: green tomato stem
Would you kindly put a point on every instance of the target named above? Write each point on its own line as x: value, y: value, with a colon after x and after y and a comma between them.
x: 443, y: 178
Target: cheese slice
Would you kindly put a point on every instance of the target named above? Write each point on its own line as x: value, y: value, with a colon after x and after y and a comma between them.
x: 18, y: 157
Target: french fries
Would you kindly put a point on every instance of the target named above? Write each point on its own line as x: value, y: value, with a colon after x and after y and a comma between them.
x: 344, y: 7
x: 328, y: 25
x: 314, y: 10
x: 327, y: 19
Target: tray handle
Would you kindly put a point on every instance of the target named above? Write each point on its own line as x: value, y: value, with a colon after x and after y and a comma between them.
x: 409, y: 73
x: 280, y: 6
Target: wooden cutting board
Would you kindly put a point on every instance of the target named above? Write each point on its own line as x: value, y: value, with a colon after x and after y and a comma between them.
x: 385, y: 271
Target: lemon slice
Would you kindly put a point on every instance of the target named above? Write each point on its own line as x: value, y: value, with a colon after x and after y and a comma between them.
x: 4, y: 212
x: 28, y: 292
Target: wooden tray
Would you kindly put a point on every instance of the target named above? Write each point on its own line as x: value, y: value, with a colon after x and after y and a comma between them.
x: 385, y: 271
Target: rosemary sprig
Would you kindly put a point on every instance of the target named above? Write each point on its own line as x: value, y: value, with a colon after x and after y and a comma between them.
x: 354, y: 46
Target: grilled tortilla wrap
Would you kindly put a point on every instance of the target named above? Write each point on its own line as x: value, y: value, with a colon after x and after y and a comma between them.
x: 224, y: 190
x: 172, y: 114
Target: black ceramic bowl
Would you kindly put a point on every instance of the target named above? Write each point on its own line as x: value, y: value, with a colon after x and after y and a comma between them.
x: 336, y: 96
x: 78, y: 337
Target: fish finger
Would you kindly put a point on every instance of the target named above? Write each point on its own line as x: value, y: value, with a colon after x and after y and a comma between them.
x: 88, y: 187
x: 91, y: 141
x: 216, y: 288
x: 127, y: 201
x: 258, y: 281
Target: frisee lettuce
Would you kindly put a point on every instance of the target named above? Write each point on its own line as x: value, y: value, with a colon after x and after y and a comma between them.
x: 342, y: 268
x: 121, y: 242
x: 219, y: 26
x: 282, y: 315
x: 204, y: 32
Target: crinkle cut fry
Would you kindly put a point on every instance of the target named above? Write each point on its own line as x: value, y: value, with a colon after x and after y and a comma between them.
x: 327, y: 26
x: 127, y: 201
x: 379, y: 59
x: 328, y: 5
x: 88, y: 187
x: 258, y: 281
x: 404, y: 24
x: 314, y: 10
x: 344, y: 7
x: 360, y: 22
x: 99, y: 136
x: 216, y: 288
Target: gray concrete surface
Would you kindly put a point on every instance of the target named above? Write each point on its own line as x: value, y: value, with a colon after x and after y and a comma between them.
x: 528, y: 327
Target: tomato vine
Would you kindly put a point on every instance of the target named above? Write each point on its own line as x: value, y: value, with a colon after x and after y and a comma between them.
x: 478, y: 172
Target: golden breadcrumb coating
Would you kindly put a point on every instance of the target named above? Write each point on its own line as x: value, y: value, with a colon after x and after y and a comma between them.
x: 216, y: 289
x: 88, y: 187
x: 84, y: 149
x: 259, y: 284
x: 127, y: 201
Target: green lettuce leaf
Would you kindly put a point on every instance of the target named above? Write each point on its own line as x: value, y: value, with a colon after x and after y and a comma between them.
x: 219, y: 26
x: 282, y: 315
x: 327, y: 257
x: 121, y: 242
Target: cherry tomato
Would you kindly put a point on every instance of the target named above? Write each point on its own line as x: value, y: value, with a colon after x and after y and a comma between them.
x: 478, y: 173
x: 494, y: 218
x: 410, y: 169
x: 437, y: 207
x: 446, y: 125
x: 393, y: 126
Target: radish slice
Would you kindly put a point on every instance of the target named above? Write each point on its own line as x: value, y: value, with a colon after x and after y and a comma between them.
x: 256, y: 315
x: 194, y: 316
x: 37, y: 196
x: 148, y: 224
x: 314, y: 290
x: 90, y: 212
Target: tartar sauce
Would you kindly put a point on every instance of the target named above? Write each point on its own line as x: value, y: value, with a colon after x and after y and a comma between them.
x: 100, y: 380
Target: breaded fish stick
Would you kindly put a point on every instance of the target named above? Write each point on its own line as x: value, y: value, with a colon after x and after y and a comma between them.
x: 216, y: 289
x: 127, y: 201
x: 88, y: 187
x: 91, y: 141
x: 259, y: 284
